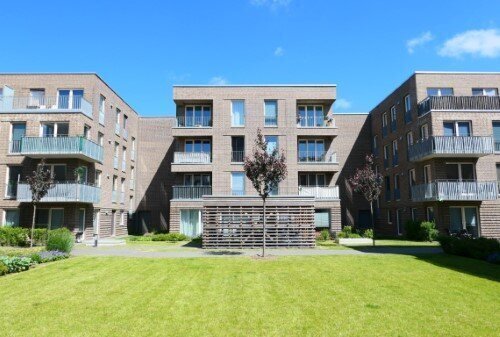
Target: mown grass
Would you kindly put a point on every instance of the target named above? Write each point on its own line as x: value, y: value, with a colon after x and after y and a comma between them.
x: 377, y: 295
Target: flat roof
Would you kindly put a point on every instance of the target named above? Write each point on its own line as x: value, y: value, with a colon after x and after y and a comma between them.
x: 254, y: 85
x: 459, y: 72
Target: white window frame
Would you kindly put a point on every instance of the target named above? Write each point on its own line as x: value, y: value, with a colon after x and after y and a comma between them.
x: 439, y: 93
x: 384, y: 119
x: 56, y: 127
x: 70, y: 100
x: 233, y: 174
x: 276, y: 115
x: 232, y: 113
x: 424, y: 131
x: 484, y: 91
x: 102, y: 109
x: 98, y: 175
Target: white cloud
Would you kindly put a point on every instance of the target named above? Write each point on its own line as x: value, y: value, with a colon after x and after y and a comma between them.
x: 279, y: 51
x: 418, y: 41
x: 218, y: 80
x: 481, y: 42
x: 271, y: 4
x: 342, y: 103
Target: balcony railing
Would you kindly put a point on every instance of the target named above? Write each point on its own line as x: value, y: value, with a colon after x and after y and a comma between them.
x: 237, y: 156
x: 451, y: 146
x: 15, y: 146
x: 60, y: 146
x: 63, y: 192
x: 316, y: 122
x: 319, y: 192
x: 191, y: 158
x: 191, y: 192
x: 468, y: 103
x: 317, y: 157
x: 270, y: 121
x: 193, y: 122
x: 442, y: 190
x: 45, y: 104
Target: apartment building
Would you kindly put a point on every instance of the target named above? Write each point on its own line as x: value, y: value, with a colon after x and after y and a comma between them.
x: 201, y: 152
x: 437, y: 142
x: 88, y: 137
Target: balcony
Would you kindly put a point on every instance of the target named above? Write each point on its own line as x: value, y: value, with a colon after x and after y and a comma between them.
x: 63, y: 192
x: 237, y: 156
x: 194, y: 122
x: 319, y: 192
x: 317, y: 161
x: 319, y: 126
x: 45, y: 104
x: 454, y: 190
x: 459, y: 103
x: 190, y: 192
x: 192, y: 162
x: 450, y: 146
x: 59, y: 147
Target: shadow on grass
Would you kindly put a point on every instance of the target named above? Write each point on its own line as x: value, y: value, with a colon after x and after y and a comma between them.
x: 193, y: 244
x: 398, y: 250
x: 223, y: 252
x: 464, y: 265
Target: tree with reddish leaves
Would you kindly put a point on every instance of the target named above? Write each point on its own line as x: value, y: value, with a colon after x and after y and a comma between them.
x: 40, y: 181
x: 265, y: 169
x: 368, y: 183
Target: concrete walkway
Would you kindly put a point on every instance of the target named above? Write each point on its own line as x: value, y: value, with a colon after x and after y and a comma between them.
x: 190, y: 252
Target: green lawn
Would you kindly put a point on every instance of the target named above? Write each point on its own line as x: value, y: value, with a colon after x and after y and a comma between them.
x: 378, y: 295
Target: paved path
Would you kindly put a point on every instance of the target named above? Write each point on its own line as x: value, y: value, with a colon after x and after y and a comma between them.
x: 184, y: 252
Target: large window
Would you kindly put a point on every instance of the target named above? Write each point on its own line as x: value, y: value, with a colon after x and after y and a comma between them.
x: 237, y: 183
x: 238, y: 113
x: 69, y: 98
x: 460, y: 171
x: 439, y: 91
x: 311, y: 150
x: 50, y: 218
x: 424, y: 131
x: 270, y: 113
x: 322, y: 218
x: 496, y: 135
x: 18, y: 131
x: 237, y: 149
x: 197, y: 145
x: 394, y: 118
x: 11, y: 218
x: 197, y: 115
x: 484, y: 91
x: 464, y: 218
x: 60, y: 129
x: 312, y: 179
x: 457, y: 128
x: 311, y: 115
x: 197, y: 179
x: 272, y: 143
x: 37, y: 98
x: 13, y: 176
x: 191, y: 222
x: 427, y: 174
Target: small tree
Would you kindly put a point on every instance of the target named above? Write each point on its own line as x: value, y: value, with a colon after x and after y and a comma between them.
x: 265, y: 170
x: 368, y: 183
x: 40, y: 181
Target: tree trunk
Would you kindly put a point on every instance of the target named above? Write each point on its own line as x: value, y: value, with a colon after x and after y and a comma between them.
x: 264, y: 227
x: 373, y: 223
x: 33, y: 226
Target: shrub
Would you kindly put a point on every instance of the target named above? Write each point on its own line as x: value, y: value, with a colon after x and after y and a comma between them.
x: 477, y: 248
x: 140, y: 238
x: 421, y: 231
x: 16, y: 264
x: 3, y: 268
x: 48, y: 256
x: 60, y: 239
x: 368, y: 234
x: 14, y: 236
x: 349, y: 233
x: 324, y: 235
x: 39, y: 236
x: 169, y: 237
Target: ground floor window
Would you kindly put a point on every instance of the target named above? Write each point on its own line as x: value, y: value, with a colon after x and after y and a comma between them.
x: 322, y: 218
x: 430, y: 213
x: 11, y: 218
x: 399, y: 221
x: 414, y: 214
x: 191, y: 224
x: 50, y: 218
x: 464, y: 218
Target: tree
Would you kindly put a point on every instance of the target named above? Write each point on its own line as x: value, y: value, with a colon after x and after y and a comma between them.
x: 367, y: 182
x: 40, y: 181
x: 265, y: 170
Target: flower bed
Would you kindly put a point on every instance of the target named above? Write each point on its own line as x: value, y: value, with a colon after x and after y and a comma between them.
x: 16, y: 264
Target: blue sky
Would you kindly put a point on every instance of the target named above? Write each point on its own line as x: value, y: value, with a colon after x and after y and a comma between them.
x: 143, y: 47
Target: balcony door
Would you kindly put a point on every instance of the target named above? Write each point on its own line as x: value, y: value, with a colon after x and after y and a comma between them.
x: 460, y: 171
x: 191, y: 223
x: 311, y: 115
x: 237, y: 149
x: 460, y: 129
x: 69, y: 98
x: 312, y: 180
x: 37, y: 98
x: 464, y: 218
x: 311, y: 150
x: 197, y: 180
x: 18, y: 131
x: 198, y: 115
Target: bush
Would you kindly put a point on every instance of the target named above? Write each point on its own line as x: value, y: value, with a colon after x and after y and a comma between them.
x: 3, y: 268
x: 421, y: 231
x: 173, y: 237
x: 48, y: 256
x: 16, y: 264
x: 39, y: 236
x: 349, y: 233
x: 368, y: 234
x: 324, y: 235
x: 477, y: 248
x: 61, y: 240
x: 140, y: 238
x: 14, y: 236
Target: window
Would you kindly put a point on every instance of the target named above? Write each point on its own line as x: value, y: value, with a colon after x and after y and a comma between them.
x: 122, y: 191
x: 102, y: 109
x: 13, y: 177
x: 430, y: 213
x: 409, y: 139
x: 387, y: 188
x: 456, y: 128
x: 237, y: 149
x: 59, y: 129
x: 397, y: 195
x: 496, y: 135
x: 49, y: 218
x: 311, y: 150
x: 386, y: 155
x: 197, y: 179
x: 375, y: 145
x: 124, y: 159
x: 197, y: 115
x: 11, y: 218
x: 439, y: 91
x: 116, y: 155
x: 131, y: 204
x: 197, y: 145
x: 125, y: 122
x: 69, y: 98
x: 86, y: 131
x: 395, y: 156
x: 393, y: 113
x: 427, y: 174
x: 398, y: 221
x: 270, y: 113
x: 132, y: 154
x: 460, y: 171
x: 407, y: 103
x: 311, y: 115
x: 98, y: 177
x: 238, y: 113
x: 58, y: 171
x: 464, y: 218
x: 312, y: 179
x: 414, y: 214
x: 237, y: 183
x: 412, y: 180
x: 18, y: 131
x: 498, y: 174
x: 100, y: 138
x: 384, y: 120
x: 117, y: 121
x: 37, y: 98
x: 272, y: 143
x: 81, y: 220
x: 424, y: 132
x: 389, y: 216
x: 484, y: 92
x: 191, y: 222
x: 322, y: 218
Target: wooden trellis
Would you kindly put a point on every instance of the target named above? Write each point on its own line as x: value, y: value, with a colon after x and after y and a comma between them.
x: 236, y: 222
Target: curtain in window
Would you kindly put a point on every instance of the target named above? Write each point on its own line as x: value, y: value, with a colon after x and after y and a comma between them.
x: 63, y: 101
x: 238, y: 113
x: 322, y: 219
x: 271, y: 112
x: 77, y: 99
x: 471, y: 220
x: 191, y: 222
x: 11, y: 218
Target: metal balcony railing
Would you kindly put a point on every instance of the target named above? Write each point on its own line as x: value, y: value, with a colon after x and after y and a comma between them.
x: 59, y: 146
x: 320, y: 192
x: 446, y: 103
x: 192, y: 158
x: 15, y: 146
x: 191, y: 192
x: 64, y: 191
x: 316, y: 122
x: 45, y: 104
x: 190, y: 121
x: 451, y: 145
x: 317, y: 157
x: 270, y: 121
x: 237, y: 156
x: 455, y: 190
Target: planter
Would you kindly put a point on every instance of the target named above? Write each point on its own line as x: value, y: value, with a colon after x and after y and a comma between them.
x: 354, y: 241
